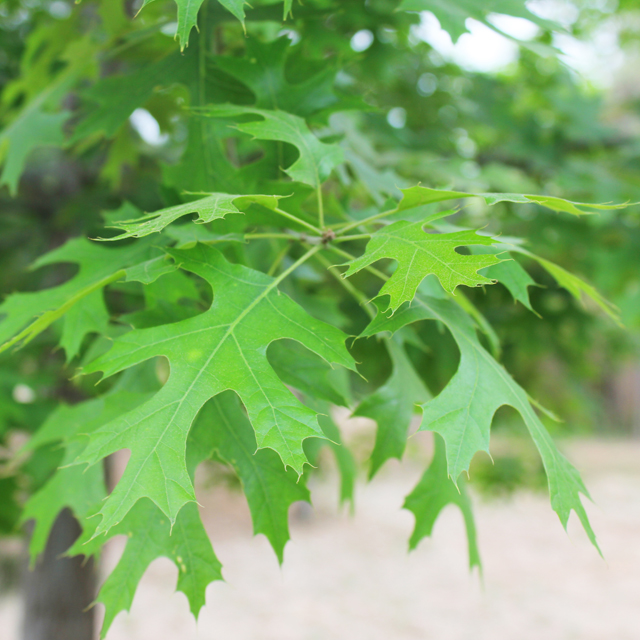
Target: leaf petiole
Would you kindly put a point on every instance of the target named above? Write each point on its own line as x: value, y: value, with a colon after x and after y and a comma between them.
x: 304, y: 223
x: 320, y: 206
x: 279, y: 258
x: 360, y: 236
x: 346, y: 284
x: 281, y: 236
x: 346, y: 254
x: 352, y: 225
x: 296, y: 264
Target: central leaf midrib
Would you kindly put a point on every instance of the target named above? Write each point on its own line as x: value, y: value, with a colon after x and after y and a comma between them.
x: 229, y: 332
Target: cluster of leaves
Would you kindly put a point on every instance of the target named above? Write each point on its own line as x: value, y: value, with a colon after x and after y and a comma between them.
x: 279, y: 249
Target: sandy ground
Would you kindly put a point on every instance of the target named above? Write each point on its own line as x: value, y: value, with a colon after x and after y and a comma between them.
x: 351, y: 578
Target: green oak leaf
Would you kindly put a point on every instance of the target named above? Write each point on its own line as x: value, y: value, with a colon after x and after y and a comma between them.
x: 392, y: 407
x: 188, y: 16
x: 39, y: 123
x: 432, y: 494
x: 222, y: 428
x: 317, y: 159
x: 262, y: 69
x: 113, y: 99
x: 511, y: 274
x: 418, y: 196
x: 89, y: 315
x: 453, y: 14
x: 462, y: 413
x: 98, y: 267
x: 212, y: 207
x: 71, y: 486
x: 420, y: 254
x: 299, y: 368
x: 150, y: 536
x: 223, y: 348
x: 574, y: 285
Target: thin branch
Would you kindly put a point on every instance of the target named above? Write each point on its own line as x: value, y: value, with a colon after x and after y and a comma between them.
x: 279, y: 258
x: 304, y: 223
x: 352, y: 225
x: 287, y: 236
x: 346, y: 254
x: 320, y: 207
x: 356, y: 293
x: 360, y: 236
x: 296, y: 264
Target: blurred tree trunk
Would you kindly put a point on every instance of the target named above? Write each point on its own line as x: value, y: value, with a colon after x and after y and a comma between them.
x: 58, y: 590
x: 624, y: 398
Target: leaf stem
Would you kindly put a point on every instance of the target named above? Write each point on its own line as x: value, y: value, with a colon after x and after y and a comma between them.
x: 296, y: 264
x: 320, y: 207
x: 346, y: 254
x: 48, y: 317
x: 286, y: 236
x: 304, y: 223
x: 360, y: 236
x: 356, y: 293
x: 279, y: 258
x: 357, y: 223
x: 202, y: 95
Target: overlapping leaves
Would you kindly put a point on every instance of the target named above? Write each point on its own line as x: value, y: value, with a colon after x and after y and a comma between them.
x: 317, y: 159
x: 223, y: 348
x: 228, y: 356
x: 419, y: 195
x: 392, y: 407
x: 149, y: 533
x: 212, y: 207
x: 434, y: 491
x: 463, y: 411
x: 98, y: 266
x: 420, y: 254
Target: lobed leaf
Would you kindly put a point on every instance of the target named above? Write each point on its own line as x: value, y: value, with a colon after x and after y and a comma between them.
x: 98, y: 267
x: 462, y: 413
x: 213, y: 207
x: 418, y: 196
x: 150, y: 536
x: 574, y: 285
x: 262, y: 69
x: 432, y: 494
x: 392, y: 407
x: 223, y: 429
x: 453, y: 14
x: 420, y: 254
x: 223, y: 348
x: 317, y: 159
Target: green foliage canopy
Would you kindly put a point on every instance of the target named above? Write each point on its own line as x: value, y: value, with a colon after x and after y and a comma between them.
x: 275, y: 169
